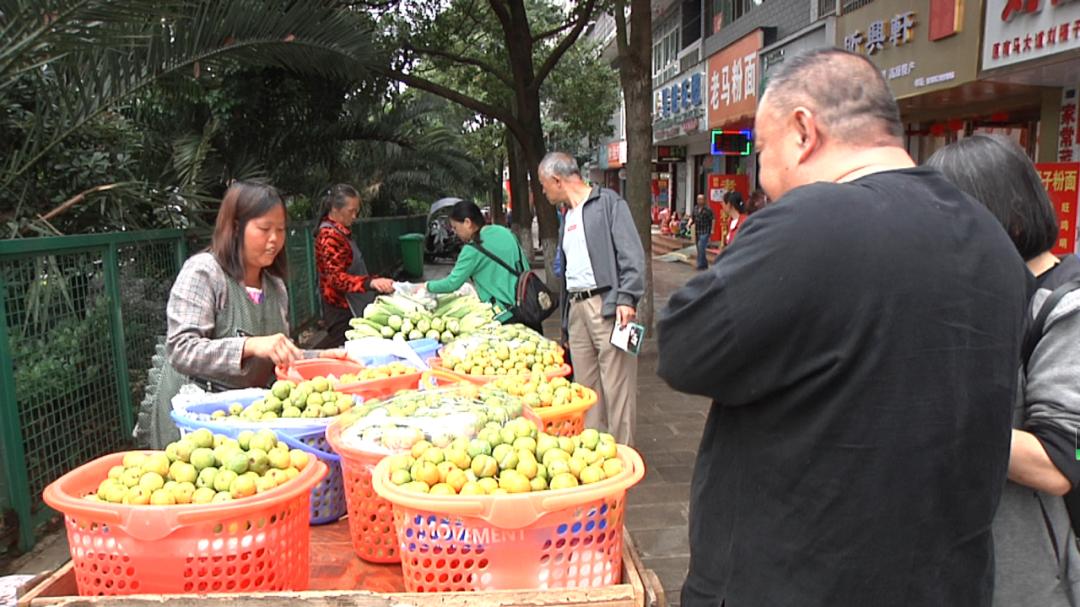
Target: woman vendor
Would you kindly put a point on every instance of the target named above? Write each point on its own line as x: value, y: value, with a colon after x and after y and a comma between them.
x: 227, y: 311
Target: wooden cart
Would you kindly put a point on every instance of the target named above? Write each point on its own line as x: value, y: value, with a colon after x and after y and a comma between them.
x: 339, y: 578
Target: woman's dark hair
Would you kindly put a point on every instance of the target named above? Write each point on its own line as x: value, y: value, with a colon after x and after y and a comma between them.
x: 735, y: 199
x: 997, y: 173
x: 243, y: 201
x: 757, y: 201
x: 336, y: 197
x: 467, y: 209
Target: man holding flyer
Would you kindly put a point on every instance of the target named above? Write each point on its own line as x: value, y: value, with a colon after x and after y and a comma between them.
x: 605, y: 278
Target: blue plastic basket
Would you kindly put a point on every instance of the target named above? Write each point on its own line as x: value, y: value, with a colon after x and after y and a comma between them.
x: 328, y: 497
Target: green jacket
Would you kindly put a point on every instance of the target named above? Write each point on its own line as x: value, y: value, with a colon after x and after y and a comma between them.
x: 492, y: 281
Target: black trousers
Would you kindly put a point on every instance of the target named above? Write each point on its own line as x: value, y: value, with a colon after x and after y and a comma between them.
x: 336, y: 323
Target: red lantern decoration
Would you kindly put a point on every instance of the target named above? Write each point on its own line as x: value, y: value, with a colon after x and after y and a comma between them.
x: 956, y: 125
x: 937, y: 130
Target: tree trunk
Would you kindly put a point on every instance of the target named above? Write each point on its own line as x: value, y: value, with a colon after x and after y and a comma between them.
x: 519, y: 194
x: 635, y: 66
x: 495, y: 195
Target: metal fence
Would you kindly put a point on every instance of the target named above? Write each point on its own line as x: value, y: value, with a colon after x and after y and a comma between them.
x: 79, y: 320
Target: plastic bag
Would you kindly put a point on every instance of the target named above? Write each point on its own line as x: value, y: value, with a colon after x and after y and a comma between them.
x: 438, y: 415
x: 369, y: 348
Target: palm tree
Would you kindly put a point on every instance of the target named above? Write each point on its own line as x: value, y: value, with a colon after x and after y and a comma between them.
x: 88, y: 57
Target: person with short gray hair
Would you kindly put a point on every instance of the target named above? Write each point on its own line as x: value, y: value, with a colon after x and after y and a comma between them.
x: 859, y: 341
x: 604, y: 280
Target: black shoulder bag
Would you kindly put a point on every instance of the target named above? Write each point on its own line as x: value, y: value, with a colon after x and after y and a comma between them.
x: 534, y: 301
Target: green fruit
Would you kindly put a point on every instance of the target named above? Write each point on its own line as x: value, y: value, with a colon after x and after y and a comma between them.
x: 183, y: 472
x: 269, y: 415
x: 279, y: 459
x: 478, y: 447
x: 162, y: 498
x: 590, y: 438
x: 183, y: 493
x: 416, y: 487
x: 238, y: 462
x: 206, y: 478
x: 116, y: 472
x: 291, y: 412
x: 134, y: 460
x: 538, y: 483
x: 241, y: 487
x: 509, y: 461
x: 104, y: 487
x: 525, y: 443
x: 484, y: 466
x: 224, y: 480
x: 394, y: 322
x: 203, y: 495
x: 500, y: 451
x: 202, y: 438
x: 151, y: 481
x: 258, y: 461
x: 545, y: 443
x: 400, y: 477
x: 564, y: 480
x: 244, y: 439
x: 130, y: 477
x: 329, y: 409
x: 221, y: 497
x: 514, y: 482
x: 265, y: 483
x: 508, y: 435
x: 202, y: 457
x: 170, y: 452
x: 607, y: 450
x: 273, y: 404
x: 320, y: 384
x: 434, y: 455
x: 264, y: 440
x: 281, y: 389
x: 566, y: 444
x: 592, y: 474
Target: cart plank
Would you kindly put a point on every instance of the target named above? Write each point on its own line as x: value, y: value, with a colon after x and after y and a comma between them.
x: 338, y: 578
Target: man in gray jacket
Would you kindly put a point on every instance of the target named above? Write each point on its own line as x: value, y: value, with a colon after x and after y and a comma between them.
x: 605, y: 278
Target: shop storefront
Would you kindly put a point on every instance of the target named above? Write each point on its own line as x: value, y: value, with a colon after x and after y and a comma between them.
x: 1035, y: 47
x: 928, y: 51
x: 734, y: 89
x: 678, y: 124
x: 612, y: 174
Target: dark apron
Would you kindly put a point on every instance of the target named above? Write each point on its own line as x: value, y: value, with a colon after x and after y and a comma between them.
x: 239, y: 317
x: 335, y: 318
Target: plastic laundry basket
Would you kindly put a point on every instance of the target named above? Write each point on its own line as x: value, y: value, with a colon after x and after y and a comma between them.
x: 368, y: 389
x: 327, y: 497
x: 371, y: 518
x: 259, y: 543
x: 567, y: 538
x: 436, y: 363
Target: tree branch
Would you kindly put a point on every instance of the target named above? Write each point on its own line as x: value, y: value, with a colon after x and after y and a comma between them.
x: 621, y: 35
x: 552, y: 32
x: 503, y: 115
x: 487, y: 67
x: 501, y: 12
x: 565, y: 44
x: 76, y: 199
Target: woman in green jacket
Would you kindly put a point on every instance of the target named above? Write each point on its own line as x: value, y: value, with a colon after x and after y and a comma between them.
x: 494, y: 282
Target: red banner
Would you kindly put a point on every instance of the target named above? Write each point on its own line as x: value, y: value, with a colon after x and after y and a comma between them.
x: 718, y: 186
x: 1060, y: 181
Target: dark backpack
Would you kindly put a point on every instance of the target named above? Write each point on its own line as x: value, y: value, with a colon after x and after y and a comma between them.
x: 534, y: 301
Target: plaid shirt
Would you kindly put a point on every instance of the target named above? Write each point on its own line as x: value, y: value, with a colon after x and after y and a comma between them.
x: 198, y: 295
x: 333, y: 256
x: 703, y: 220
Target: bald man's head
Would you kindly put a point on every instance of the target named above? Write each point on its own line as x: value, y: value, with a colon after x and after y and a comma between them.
x: 846, y: 93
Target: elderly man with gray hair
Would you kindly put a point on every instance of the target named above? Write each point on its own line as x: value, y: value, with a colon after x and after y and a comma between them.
x: 605, y: 278
x: 860, y: 341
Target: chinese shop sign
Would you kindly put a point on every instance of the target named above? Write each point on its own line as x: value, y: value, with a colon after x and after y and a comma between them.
x: 1059, y: 179
x: 1019, y: 30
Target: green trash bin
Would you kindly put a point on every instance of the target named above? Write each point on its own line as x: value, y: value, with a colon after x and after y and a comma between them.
x: 412, y: 254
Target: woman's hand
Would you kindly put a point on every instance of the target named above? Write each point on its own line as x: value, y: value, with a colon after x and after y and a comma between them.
x: 338, y: 354
x: 277, y: 348
x: 382, y: 285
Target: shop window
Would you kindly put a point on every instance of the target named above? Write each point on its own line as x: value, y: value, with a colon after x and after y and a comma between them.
x: 666, y: 47
x: 691, y: 22
x: 850, y: 5
x: 826, y: 8
x: 714, y: 15
x: 742, y: 7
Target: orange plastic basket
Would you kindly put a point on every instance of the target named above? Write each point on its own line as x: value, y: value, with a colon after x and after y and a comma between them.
x: 371, y: 518
x: 566, y: 420
x: 436, y: 363
x: 373, y: 388
x: 259, y: 543
x: 568, y: 538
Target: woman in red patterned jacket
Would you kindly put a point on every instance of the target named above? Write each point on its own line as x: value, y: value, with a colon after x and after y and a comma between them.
x: 344, y: 282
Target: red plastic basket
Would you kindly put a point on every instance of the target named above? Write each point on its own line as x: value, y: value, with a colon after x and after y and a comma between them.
x: 568, y: 538
x: 566, y: 420
x: 371, y: 518
x: 259, y: 543
x: 324, y: 367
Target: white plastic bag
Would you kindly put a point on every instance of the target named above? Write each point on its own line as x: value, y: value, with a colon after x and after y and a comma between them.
x: 359, y: 349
